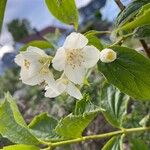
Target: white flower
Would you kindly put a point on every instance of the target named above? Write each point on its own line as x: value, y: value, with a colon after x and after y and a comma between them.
x: 75, y: 57
x: 108, y: 55
x: 63, y: 85
x: 34, y: 65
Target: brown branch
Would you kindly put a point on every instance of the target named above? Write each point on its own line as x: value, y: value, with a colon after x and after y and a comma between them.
x: 146, y: 48
x: 120, y: 5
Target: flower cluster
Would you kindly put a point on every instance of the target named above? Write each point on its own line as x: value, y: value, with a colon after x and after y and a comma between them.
x: 74, y: 58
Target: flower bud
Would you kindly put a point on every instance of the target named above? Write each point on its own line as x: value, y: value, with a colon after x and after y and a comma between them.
x: 108, y: 55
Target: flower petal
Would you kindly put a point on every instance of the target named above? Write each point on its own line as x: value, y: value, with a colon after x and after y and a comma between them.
x: 19, y: 59
x: 59, y: 59
x: 75, y: 41
x: 55, y: 89
x: 73, y: 91
x: 76, y: 75
x: 91, y: 56
x: 37, y: 51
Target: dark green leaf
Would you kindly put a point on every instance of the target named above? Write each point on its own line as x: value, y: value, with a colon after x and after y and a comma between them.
x: 64, y: 10
x: 39, y: 44
x: 142, y: 32
x: 137, y: 144
x: 21, y: 147
x: 115, y: 104
x: 129, y: 72
x: 2, y: 11
x: 115, y: 143
x: 130, y: 11
x: 10, y: 129
x: 42, y: 126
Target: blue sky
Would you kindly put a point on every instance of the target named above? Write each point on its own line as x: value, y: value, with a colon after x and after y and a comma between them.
x: 37, y: 13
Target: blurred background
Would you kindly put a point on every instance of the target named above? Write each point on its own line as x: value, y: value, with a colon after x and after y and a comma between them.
x: 25, y: 21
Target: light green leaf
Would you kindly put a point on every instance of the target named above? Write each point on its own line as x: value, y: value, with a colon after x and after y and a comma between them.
x: 129, y: 72
x: 115, y: 104
x: 40, y: 44
x: 145, y: 122
x: 64, y: 10
x: 17, y: 115
x: 129, y: 12
x: 10, y: 129
x: 115, y: 143
x: 142, y: 18
x: 142, y: 32
x: 21, y: 147
x: 138, y: 144
x: 85, y: 106
x: 42, y: 126
x: 73, y: 125
x: 94, y: 40
x: 2, y: 11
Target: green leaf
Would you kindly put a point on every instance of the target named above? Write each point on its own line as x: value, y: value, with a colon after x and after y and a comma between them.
x: 21, y: 147
x: 142, y: 18
x: 74, y: 124
x: 114, y: 104
x: 142, y: 32
x: 115, y: 143
x: 129, y: 72
x: 85, y: 106
x: 145, y: 122
x: 40, y: 44
x: 10, y: 129
x: 138, y: 144
x: 17, y: 115
x: 2, y: 11
x: 64, y: 10
x: 93, y: 40
x: 42, y: 126
x: 129, y: 12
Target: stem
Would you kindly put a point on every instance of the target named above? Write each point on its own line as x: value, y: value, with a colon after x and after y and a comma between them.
x: 120, y: 5
x: 100, y: 136
x: 92, y: 32
x: 119, y: 42
x: 146, y: 48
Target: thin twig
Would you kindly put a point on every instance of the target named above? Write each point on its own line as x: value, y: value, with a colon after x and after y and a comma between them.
x: 120, y: 5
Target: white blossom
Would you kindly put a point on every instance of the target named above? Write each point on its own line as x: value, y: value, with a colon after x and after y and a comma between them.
x: 75, y: 57
x: 108, y: 55
x: 34, y: 64
x: 62, y: 85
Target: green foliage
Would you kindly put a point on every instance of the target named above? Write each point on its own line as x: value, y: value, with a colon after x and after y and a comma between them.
x: 125, y: 72
x: 19, y: 29
x: 40, y: 44
x: 142, y: 18
x: 129, y: 12
x: 64, y: 10
x: 2, y: 8
x: 42, y: 126
x: 93, y: 40
x: 10, y: 128
x: 73, y: 125
x: 16, y: 113
x: 115, y: 143
x: 21, y: 147
x: 142, y: 32
x: 138, y: 144
x: 114, y: 104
